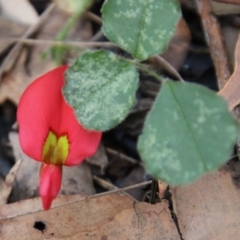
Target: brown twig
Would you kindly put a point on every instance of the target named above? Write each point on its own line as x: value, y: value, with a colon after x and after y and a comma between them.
x: 60, y: 43
x: 109, y: 186
x: 214, y: 40
x: 97, y: 36
x: 228, y: 1
x: 129, y: 159
x: 158, y: 60
x: 103, y: 183
x: 93, y: 17
x: 83, y: 199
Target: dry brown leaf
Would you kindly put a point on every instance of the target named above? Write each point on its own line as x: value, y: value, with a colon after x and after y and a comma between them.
x: 10, y: 60
x: 31, y: 65
x: 178, y: 46
x: 213, y: 37
x: 235, y: 2
x: 232, y: 88
x: 106, y: 217
x: 162, y: 188
x: 6, y: 187
x: 34, y: 205
x: 19, y: 11
x: 16, y: 81
x: 218, y: 7
x: 221, y: 8
x: 208, y: 208
x: 230, y: 35
x: 9, y: 28
x: 26, y: 185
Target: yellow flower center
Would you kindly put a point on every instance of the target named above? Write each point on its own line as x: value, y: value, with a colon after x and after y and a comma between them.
x: 55, y: 149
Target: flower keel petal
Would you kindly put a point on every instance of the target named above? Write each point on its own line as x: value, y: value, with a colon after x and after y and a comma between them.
x: 50, y: 183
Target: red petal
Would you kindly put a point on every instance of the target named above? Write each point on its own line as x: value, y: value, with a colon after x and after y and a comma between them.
x: 50, y: 183
x: 42, y: 108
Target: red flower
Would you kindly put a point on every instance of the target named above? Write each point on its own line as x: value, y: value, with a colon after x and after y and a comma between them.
x: 50, y: 133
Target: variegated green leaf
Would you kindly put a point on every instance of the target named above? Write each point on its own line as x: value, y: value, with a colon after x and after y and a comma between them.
x: 141, y: 27
x: 101, y: 89
x: 188, y: 132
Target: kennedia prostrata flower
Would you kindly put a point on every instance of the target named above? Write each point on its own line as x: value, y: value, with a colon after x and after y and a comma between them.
x: 50, y: 133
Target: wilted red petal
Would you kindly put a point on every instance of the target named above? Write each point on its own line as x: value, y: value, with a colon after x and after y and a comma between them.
x: 50, y: 183
x: 42, y: 108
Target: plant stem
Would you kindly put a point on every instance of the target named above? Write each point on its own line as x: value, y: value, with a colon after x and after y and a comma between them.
x: 58, y: 51
x: 150, y: 72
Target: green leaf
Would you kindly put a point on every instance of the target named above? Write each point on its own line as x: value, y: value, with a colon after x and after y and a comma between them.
x: 188, y: 132
x: 101, y: 88
x: 141, y: 27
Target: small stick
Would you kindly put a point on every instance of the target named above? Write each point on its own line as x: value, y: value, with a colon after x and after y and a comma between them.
x: 61, y: 43
x: 109, y: 186
x: 120, y: 190
x: 105, y: 184
x: 93, y: 17
x: 158, y: 60
x: 97, y: 36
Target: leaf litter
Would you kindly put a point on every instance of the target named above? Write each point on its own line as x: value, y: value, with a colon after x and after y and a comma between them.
x: 199, y: 206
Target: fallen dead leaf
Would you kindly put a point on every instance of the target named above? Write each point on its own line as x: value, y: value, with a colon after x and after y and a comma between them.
x: 215, y: 42
x: 10, y: 60
x: 232, y: 88
x: 162, y: 188
x: 230, y: 35
x: 208, y: 208
x: 9, y: 28
x: 7, y: 185
x: 16, y: 81
x: 178, y: 46
x: 26, y: 184
x: 14, y: 10
x: 224, y: 7
x: 235, y: 2
x: 30, y: 64
x: 34, y: 205
x: 106, y: 217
